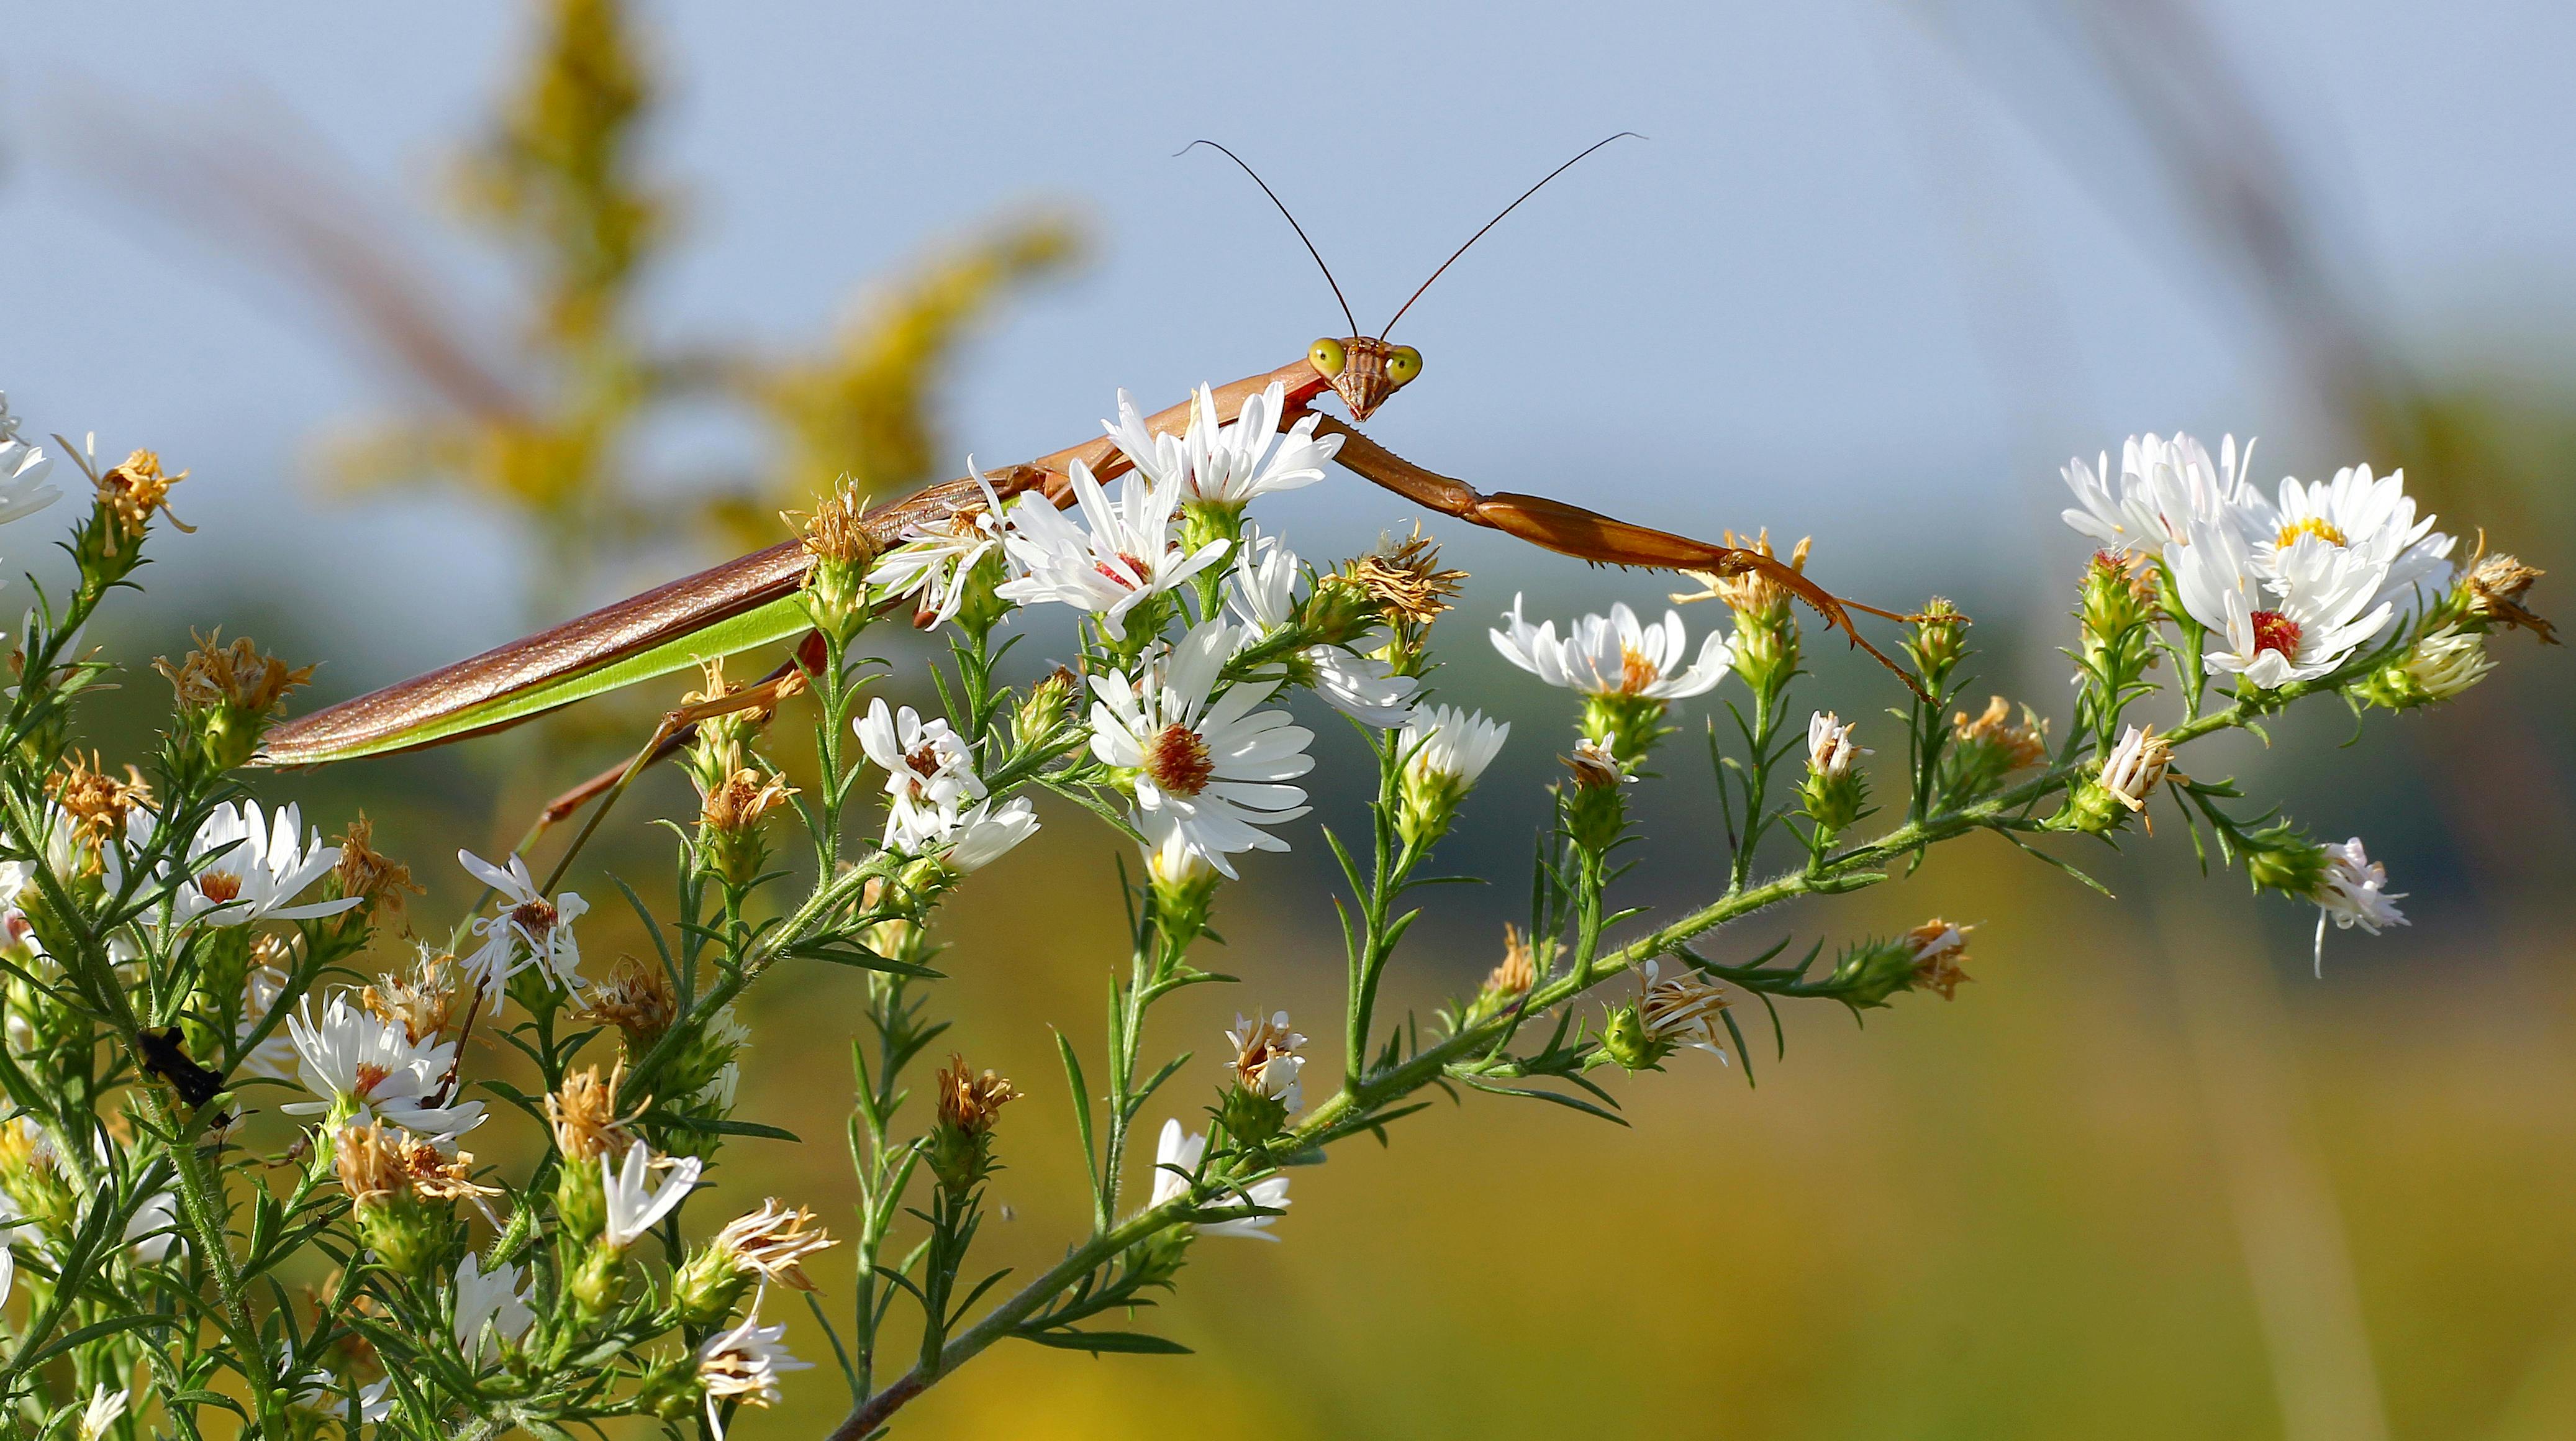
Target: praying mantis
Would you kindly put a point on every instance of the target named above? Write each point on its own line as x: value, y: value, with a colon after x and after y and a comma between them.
x: 753, y: 601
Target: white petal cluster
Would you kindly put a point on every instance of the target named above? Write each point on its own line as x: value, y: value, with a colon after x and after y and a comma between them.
x: 2296, y: 617
x: 2355, y: 891
x: 1264, y: 592
x: 1266, y: 1057
x: 1208, y: 767
x: 932, y: 560
x: 1830, y: 747
x: 23, y: 468
x: 1363, y: 686
x: 489, y: 1306
x: 528, y: 930
x: 104, y: 1408
x: 930, y: 774
x: 1451, y: 744
x: 2164, y: 486
x: 1615, y: 655
x: 361, y: 1067
x: 635, y: 1204
x: 742, y: 1366
x: 1123, y: 552
x: 2372, y: 519
x: 245, y: 868
x: 1221, y: 463
x: 1176, y: 1160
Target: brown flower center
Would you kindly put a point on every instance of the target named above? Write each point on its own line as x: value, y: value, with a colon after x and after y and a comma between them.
x: 370, y: 1076
x: 536, y: 917
x: 2274, y: 631
x: 924, y: 762
x: 1178, y: 760
x: 219, y: 887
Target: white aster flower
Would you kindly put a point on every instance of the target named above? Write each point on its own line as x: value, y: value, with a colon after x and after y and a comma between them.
x: 1226, y: 464
x: 2164, y: 487
x: 1264, y: 595
x: 1126, y: 555
x: 352, y: 1060
x: 1176, y: 1160
x: 2373, y: 518
x: 1614, y: 655
x: 930, y: 773
x: 2318, y: 604
x: 1207, y: 764
x: 984, y: 835
x: 154, y: 1226
x: 742, y: 1366
x: 1363, y: 686
x: 104, y: 1408
x: 530, y: 930
x: 635, y: 1204
x: 246, y: 869
x: 2354, y: 893
x: 1451, y: 745
x: 488, y: 1299
x: 275, y: 1056
x: 23, y: 468
x: 1830, y: 747
x: 932, y: 560
x: 321, y: 1392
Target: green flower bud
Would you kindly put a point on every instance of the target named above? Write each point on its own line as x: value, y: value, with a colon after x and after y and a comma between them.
x: 581, y: 1200
x: 1939, y: 643
x: 1594, y: 805
x: 2436, y: 668
x: 2281, y: 858
x: 959, y: 1149
x: 1626, y: 1040
x: 1629, y: 725
x: 836, y: 584
x: 1251, y: 1116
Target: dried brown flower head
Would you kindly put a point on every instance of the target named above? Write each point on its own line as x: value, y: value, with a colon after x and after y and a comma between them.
x: 1748, y: 593
x: 236, y: 675
x: 836, y: 529
x: 585, y: 1118
x: 968, y: 1102
x: 379, y: 879
x: 1682, y: 1004
x: 423, y: 1002
x: 740, y: 801
x: 1518, y: 970
x: 375, y: 1161
x: 2020, y: 745
x: 97, y: 803
x: 636, y: 998
x: 2496, y: 585
x: 131, y: 492
x: 773, y: 1242
x: 1595, y: 764
x: 1404, y: 578
x: 1939, y: 947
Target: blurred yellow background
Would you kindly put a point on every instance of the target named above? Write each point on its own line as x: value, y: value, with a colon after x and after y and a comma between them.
x: 1883, y: 267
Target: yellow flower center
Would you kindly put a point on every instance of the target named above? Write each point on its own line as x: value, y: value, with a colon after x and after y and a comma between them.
x: 1636, y: 671
x: 2322, y: 529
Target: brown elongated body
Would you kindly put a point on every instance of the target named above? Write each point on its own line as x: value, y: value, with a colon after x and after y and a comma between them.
x: 673, y: 611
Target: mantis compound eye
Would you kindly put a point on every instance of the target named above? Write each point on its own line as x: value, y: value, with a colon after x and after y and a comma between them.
x: 1403, y: 363
x: 1328, y: 357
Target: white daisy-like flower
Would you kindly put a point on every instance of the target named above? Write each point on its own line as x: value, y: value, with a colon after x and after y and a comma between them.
x: 635, y: 1204
x: 932, y: 560
x: 1614, y: 655
x: 488, y: 1299
x: 1264, y: 591
x: 1830, y: 747
x: 247, y: 869
x: 742, y: 1366
x: 1206, y: 763
x: 930, y: 773
x: 23, y: 468
x: 2164, y: 487
x: 1363, y: 686
x: 984, y: 835
x: 104, y: 1408
x: 1123, y: 554
x: 350, y: 1058
x: 1451, y: 744
x: 275, y: 1056
x: 2353, y: 893
x: 2373, y: 517
x: 1176, y: 1160
x: 2318, y: 605
x: 153, y: 1227
x: 530, y: 930
x: 1226, y: 464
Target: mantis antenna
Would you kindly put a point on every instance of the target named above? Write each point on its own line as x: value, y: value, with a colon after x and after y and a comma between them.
x: 1292, y: 220
x: 1497, y: 220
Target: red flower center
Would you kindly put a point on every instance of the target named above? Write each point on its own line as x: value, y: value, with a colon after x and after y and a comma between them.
x: 369, y: 1076
x: 2276, y: 632
x: 219, y: 886
x: 1178, y: 760
x: 1137, y: 568
x: 924, y: 762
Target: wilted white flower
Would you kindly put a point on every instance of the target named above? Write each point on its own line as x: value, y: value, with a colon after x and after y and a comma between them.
x: 984, y: 835
x: 1363, y: 686
x: 1207, y: 765
x: 2165, y: 486
x: 2317, y: 605
x: 1126, y: 556
x: 1681, y: 1009
x: 930, y: 773
x: 635, y: 1204
x: 1226, y: 464
x: 742, y: 1366
x: 1451, y: 744
x: 2374, y: 519
x: 246, y: 869
x: 488, y: 1298
x: 351, y: 1059
x: 322, y: 1392
x: 1830, y: 747
x: 932, y: 560
x: 2355, y: 891
x: 1266, y: 1059
x: 1614, y: 655
x: 1176, y: 1159
x: 2134, y: 767
x: 1595, y: 762
x: 531, y: 929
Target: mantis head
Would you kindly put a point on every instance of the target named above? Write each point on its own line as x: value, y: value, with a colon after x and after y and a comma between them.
x: 1364, y: 371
